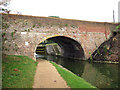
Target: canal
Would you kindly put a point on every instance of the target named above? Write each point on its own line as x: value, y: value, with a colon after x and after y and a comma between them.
x: 101, y: 75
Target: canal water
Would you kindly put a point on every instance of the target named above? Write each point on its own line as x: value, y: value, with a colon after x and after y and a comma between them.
x: 101, y: 75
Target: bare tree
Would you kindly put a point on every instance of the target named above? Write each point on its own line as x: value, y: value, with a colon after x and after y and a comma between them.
x: 4, y: 4
x: 4, y: 7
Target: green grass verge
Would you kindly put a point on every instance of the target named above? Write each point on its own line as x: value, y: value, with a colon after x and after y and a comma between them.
x: 18, y: 71
x: 72, y: 80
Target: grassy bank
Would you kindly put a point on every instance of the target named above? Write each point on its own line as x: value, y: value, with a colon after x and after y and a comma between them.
x: 72, y: 80
x: 18, y: 71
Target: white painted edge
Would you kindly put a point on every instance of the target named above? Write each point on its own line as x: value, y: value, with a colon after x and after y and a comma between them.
x: 26, y: 43
x: 23, y: 32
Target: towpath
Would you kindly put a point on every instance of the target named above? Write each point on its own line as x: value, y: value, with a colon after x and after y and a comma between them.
x: 47, y: 76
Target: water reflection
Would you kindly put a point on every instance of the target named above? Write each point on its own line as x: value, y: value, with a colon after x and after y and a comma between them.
x: 98, y: 74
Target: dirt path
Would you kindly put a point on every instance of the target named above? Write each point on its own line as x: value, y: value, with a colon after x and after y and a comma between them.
x: 47, y: 76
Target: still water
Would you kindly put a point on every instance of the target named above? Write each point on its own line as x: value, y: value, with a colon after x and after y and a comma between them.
x: 100, y: 75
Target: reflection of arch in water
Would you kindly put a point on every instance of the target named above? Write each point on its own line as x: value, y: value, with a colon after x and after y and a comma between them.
x: 69, y: 47
x: 75, y: 66
x: 100, y: 75
x: 110, y: 71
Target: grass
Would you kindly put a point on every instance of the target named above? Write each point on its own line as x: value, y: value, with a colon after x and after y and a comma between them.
x: 51, y: 44
x: 73, y: 80
x: 18, y: 71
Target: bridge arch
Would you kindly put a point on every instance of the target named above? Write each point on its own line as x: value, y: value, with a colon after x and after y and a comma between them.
x: 69, y: 47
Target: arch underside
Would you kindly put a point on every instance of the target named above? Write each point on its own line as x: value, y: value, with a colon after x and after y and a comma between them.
x: 69, y: 47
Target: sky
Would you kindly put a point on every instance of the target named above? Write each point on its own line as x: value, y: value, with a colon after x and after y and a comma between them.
x: 90, y: 10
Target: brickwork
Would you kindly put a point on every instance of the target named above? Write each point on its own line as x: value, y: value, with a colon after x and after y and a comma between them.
x: 21, y: 34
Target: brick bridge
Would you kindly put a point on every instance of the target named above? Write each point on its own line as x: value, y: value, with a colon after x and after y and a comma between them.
x: 79, y: 39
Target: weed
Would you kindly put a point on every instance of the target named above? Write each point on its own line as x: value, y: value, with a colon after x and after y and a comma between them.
x: 15, y: 30
x: 66, y: 24
x: 15, y: 44
x: 9, y: 45
x: 12, y: 33
x: 105, y: 57
x: 118, y: 27
x: 40, y: 24
x: 24, y: 24
x: 3, y: 34
x: 5, y: 25
x: 28, y: 30
x: 110, y: 53
x: 105, y: 49
x: 25, y: 30
x: 91, y: 58
x: 72, y: 26
x: 98, y: 51
x: 4, y: 39
x: 33, y: 25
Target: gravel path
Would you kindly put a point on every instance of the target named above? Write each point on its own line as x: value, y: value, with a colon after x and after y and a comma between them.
x: 47, y: 76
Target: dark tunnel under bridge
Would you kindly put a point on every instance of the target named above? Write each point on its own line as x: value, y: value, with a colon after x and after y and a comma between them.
x: 69, y: 47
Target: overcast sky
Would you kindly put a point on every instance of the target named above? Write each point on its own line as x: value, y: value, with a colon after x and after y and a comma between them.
x: 90, y: 10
